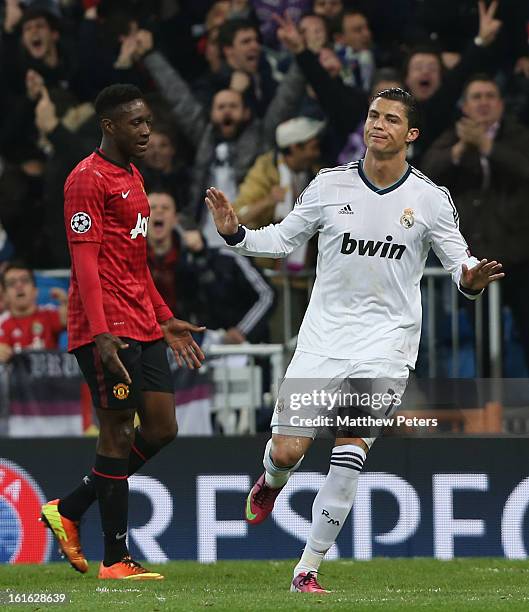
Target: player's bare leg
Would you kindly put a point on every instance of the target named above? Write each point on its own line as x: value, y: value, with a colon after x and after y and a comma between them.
x: 158, y: 426
x: 331, y: 507
x: 282, y: 456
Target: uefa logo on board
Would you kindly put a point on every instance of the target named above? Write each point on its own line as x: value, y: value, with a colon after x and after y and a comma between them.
x: 22, y: 537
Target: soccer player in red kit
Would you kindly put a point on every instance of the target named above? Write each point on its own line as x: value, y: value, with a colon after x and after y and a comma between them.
x: 118, y: 329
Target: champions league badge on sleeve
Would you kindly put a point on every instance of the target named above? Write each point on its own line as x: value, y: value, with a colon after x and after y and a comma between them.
x: 22, y: 537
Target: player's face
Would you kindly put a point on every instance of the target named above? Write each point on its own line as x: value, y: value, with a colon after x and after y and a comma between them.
x: 131, y: 128
x: 38, y: 37
x: 160, y: 152
x: 228, y: 113
x: 356, y: 33
x: 386, y: 129
x: 163, y: 216
x: 483, y: 103
x: 424, y: 75
x: 245, y: 52
x: 20, y: 292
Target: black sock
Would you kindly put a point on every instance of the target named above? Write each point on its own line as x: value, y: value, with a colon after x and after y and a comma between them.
x: 76, y: 503
x: 112, y: 488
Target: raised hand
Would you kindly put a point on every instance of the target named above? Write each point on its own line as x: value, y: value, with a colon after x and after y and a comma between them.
x: 144, y: 42
x: 13, y: 15
x: 178, y: 336
x: 488, y: 25
x: 222, y: 211
x: 288, y: 33
x: 127, y: 53
x: 46, y: 118
x: 522, y: 66
x: 34, y: 84
x: 481, y: 275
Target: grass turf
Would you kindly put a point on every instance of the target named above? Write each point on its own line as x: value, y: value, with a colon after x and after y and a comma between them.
x: 380, y: 584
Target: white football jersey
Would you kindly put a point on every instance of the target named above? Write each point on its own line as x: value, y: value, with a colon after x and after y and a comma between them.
x: 372, y: 249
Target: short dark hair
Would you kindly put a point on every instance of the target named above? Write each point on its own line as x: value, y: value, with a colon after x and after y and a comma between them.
x: 32, y: 13
x: 482, y: 77
x: 17, y: 264
x: 350, y: 12
x: 228, y: 30
x: 111, y: 97
x: 162, y: 190
x: 425, y: 49
x: 406, y: 99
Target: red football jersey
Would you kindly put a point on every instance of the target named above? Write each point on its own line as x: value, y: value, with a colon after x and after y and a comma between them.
x: 106, y: 203
x: 38, y: 331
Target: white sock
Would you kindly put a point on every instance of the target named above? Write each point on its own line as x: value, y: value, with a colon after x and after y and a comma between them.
x: 276, y: 477
x: 332, y: 505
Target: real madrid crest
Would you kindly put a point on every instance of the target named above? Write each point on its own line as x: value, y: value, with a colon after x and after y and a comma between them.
x: 121, y: 391
x: 407, y: 220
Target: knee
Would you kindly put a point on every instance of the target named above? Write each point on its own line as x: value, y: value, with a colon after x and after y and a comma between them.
x: 168, y: 434
x: 117, y: 438
x: 285, y: 456
x: 161, y: 435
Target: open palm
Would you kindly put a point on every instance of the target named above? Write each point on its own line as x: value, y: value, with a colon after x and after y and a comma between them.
x: 222, y: 211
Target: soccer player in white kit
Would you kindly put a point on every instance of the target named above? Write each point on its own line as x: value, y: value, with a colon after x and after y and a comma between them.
x: 376, y: 220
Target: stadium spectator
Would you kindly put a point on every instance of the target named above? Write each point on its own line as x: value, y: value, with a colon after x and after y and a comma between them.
x: 32, y: 41
x: 223, y: 290
x: 313, y: 28
x: 227, y: 142
x: 246, y: 67
x: 344, y: 106
x: 25, y: 325
x: 67, y: 130
x: 354, y: 47
x: 436, y: 92
x: 278, y: 177
x: 162, y: 167
x: 108, y: 50
x: 484, y: 161
x: 33, y: 56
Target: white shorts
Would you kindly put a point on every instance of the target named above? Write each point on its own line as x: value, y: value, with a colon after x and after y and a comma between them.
x: 308, y: 373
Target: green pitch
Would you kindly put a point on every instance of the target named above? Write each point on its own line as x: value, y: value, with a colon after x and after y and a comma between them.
x: 381, y: 584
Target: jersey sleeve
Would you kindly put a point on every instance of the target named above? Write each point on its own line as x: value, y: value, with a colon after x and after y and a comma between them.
x: 448, y: 243
x: 279, y: 240
x: 84, y: 207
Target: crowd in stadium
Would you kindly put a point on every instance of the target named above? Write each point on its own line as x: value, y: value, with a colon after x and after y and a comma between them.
x: 254, y: 97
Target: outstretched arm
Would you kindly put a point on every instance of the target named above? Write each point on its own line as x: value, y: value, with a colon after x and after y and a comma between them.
x: 274, y: 241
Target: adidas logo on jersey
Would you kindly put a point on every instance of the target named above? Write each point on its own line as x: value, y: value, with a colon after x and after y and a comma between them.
x: 370, y: 248
x: 346, y: 210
